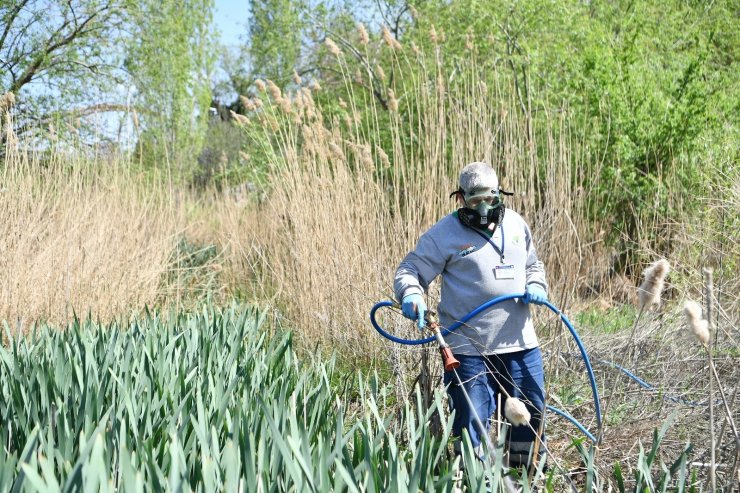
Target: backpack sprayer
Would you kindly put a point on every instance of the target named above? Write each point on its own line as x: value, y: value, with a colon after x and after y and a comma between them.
x: 450, y: 363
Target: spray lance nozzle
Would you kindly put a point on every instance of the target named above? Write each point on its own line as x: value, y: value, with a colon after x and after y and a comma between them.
x: 431, y: 322
x: 448, y: 359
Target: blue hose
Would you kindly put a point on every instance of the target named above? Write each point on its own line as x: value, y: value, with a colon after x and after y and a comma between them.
x: 485, y: 306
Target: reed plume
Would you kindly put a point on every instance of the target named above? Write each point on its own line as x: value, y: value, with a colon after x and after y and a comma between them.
x: 240, y: 119
x: 364, y: 37
x: 7, y: 100
x: 332, y: 47
x: 392, y: 101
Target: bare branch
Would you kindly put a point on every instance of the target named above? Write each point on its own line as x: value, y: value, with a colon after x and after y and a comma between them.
x: 9, y: 21
x: 33, y: 69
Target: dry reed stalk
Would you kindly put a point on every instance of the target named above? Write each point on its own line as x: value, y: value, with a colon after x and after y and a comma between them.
x: 709, y: 295
x: 73, y: 239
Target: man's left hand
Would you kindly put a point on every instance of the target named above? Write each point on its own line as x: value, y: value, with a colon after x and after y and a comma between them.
x: 535, y: 294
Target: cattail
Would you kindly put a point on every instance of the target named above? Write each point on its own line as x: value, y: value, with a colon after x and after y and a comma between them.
x: 364, y: 37
x: 240, y: 119
x: 652, y: 285
x: 7, y: 100
x: 698, y: 325
x: 274, y: 90
x: 381, y: 73
x: 296, y: 78
x: 260, y: 85
x: 516, y: 412
x: 332, y: 47
x: 392, y: 101
x: 433, y: 35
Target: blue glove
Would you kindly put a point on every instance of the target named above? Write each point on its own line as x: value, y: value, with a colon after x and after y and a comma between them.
x: 414, y: 308
x: 535, y: 294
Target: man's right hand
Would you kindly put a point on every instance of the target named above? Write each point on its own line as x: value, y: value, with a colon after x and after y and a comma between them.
x: 414, y: 308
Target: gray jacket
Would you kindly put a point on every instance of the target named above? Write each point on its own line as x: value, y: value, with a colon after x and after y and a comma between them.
x: 474, y: 271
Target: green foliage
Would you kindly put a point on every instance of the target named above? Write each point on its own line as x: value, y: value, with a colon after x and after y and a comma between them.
x: 170, y: 59
x: 59, y: 56
x: 220, y: 161
x: 611, y: 321
x: 650, y: 88
x: 275, y: 28
x: 202, y: 401
x: 648, y: 82
x: 673, y: 478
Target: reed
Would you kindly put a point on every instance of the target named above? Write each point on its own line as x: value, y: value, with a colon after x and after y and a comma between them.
x: 348, y: 195
x: 79, y: 234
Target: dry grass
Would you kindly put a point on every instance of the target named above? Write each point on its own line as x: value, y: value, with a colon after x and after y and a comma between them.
x: 342, y: 211
x: 74, y: 239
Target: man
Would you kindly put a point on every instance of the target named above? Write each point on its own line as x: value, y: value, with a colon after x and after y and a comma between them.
x: 482, y: 251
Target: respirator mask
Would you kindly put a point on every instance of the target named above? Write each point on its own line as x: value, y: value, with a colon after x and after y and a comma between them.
x: 482, y: 208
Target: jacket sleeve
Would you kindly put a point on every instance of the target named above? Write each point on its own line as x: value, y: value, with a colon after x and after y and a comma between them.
x: 535, y: 268
x: 419, y: 268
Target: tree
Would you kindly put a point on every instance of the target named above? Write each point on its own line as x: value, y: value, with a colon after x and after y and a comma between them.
x: 275, y: 38
x: 58, y: 54
x: 170, y: 60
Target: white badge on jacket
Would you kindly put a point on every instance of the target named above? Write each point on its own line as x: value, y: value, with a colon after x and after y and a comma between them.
x: 505, y: 271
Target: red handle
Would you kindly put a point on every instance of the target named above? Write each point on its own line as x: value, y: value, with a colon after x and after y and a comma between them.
x: 448, y: 359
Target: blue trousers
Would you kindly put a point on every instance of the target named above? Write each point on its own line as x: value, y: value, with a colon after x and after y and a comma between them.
x: 521, y: 374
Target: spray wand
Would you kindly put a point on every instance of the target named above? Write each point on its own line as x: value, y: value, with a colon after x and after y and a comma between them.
x: 449, y: 362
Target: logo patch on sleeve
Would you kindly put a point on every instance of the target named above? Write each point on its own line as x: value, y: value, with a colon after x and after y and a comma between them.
x: 466, y: 250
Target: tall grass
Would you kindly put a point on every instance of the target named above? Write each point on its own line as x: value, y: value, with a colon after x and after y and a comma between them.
x: 78, y: 233
x: 342, y: 209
